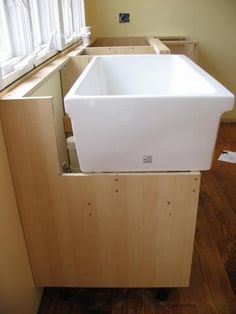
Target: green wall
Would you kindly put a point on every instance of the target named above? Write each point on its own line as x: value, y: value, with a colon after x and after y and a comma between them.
x: 211, y: 22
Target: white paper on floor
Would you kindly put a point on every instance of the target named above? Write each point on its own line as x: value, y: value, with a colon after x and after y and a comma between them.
x: 228, y: 156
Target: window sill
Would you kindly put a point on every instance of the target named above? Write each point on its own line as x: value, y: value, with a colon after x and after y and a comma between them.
x: 14, y: 75
x: 26, y: 85
x: 45, y: 57
x: 10, y: 76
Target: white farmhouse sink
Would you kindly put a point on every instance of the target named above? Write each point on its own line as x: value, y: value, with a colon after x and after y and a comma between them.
x: 145, y: 113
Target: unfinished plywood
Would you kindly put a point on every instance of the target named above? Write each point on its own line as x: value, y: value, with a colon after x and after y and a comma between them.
x: 158, y: 46
x: 30, y: 82
x: 69, y: 74
x: 120, y: 41
x: 170, y: 44
x: 183, y: 45
x: 119, y: 50
x: 104, y: 230
x: 52, y: 88
x: 134, y: 226
x: 18, y: 292
x: 67, y: 124
x: 72, y: 70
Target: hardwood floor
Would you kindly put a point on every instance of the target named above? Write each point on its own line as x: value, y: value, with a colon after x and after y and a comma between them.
x: 213, y: 280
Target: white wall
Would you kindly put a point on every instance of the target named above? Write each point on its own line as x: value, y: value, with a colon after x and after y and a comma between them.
x: 211, y: 22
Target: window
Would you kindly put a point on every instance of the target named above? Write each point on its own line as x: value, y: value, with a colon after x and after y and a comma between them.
x: 35, y: 22
x: 67, y: 18
x: 73, y: 20
x: 32, y: 31
x: 5, y: 43
x: 15, y: 38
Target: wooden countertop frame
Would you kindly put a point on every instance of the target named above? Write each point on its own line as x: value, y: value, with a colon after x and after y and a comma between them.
x: 26, y: 85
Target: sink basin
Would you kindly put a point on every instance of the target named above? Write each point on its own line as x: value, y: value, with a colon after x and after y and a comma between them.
x: 145, y: 113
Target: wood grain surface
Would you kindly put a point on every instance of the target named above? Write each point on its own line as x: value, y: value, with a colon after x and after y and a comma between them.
x: 213, y: 279
x: 96, y: 230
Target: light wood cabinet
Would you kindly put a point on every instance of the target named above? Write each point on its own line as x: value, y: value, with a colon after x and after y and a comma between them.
x: 92, y: 230
x: 96, y: 230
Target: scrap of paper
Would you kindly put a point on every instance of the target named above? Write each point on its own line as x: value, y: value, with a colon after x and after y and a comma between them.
x: 228, y: 156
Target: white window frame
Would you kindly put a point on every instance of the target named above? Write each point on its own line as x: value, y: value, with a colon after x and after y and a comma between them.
x: 79, y: 14
x: 77, y: 19
x: 19, y: 29
x: 35, y: 23
x: 46, y: 47
x: 67, y: 18
x: 5, y: 34
x: 25, y: 52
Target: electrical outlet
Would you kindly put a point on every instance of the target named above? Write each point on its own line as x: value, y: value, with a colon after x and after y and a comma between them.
x: 124, y: 18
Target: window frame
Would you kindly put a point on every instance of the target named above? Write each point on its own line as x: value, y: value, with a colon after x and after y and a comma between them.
x: 77, y: 21
x: 27, y: 53
x: 5, y: 33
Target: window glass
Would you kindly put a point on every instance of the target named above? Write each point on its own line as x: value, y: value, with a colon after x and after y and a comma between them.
x: 33, y: 30
x: 67, y: 18
x: 5, y: 44
x: 34, y: 14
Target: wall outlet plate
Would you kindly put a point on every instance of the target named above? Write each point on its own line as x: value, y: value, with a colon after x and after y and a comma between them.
x: 124, y: 18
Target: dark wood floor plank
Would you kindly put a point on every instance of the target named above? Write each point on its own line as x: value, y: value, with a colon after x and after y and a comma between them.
x: 218, y: 226
x: 222, y: 224
x: 221, y: 205
x: 225, y: 173
x: 219, y: 192
x: 184, y: 309
x: 195, y: 294
x: 219, y: 293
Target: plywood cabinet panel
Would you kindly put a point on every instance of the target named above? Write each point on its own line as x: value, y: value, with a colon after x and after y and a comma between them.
x: 17, y: 290
x: 135, y: 230
x: 71, y: 71
x: 52, y: 88
x: 120, y: 50
x: 119, y: 41
x: 96, y: 230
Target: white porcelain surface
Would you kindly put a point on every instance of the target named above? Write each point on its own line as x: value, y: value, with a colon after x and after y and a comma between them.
x: 145, y: 113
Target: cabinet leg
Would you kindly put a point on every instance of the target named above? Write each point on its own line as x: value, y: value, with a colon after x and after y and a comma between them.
x: 163, y: 294
x: 65, y: 293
